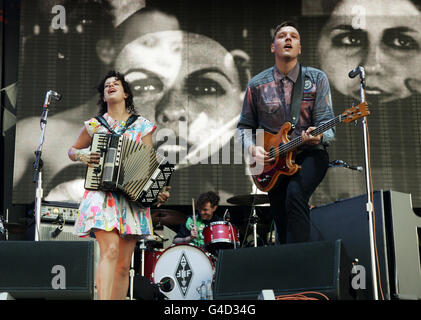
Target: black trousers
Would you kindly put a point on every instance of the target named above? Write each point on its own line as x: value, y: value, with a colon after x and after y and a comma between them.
x: 289, y: 198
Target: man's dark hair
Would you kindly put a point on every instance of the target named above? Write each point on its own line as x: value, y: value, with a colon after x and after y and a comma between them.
x: 209, y: 196
x: 287, y: 23
x: 129, y: 100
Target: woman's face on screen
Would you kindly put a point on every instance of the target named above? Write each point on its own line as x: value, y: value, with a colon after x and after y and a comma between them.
x: 187, y: 79
x: 383, y: 36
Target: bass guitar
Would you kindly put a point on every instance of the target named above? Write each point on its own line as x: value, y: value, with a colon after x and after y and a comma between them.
x: 283, y: 150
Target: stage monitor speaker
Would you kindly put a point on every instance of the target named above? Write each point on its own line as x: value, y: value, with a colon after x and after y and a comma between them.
x: 47, y: 269
x: 404, y: 246
x: 320, y: 267
x: 397, y: 230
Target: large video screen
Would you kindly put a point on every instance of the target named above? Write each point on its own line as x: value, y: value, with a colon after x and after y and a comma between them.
x: 188, y: 64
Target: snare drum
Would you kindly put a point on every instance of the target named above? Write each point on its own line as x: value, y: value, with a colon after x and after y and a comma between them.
x: 220, y: 235
x: 180, y: 270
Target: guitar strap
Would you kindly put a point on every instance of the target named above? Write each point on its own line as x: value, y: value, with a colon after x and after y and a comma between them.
x: 129, y: 122
x: 297, y: 96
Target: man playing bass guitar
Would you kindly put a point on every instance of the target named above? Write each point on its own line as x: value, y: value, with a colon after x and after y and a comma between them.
x: 289, y: 92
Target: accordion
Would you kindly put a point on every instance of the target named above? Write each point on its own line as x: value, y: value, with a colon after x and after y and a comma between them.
x: 133, y: 168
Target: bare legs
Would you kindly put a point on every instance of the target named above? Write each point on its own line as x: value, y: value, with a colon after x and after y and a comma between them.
x: 121, y: 274
x: 114, y: 263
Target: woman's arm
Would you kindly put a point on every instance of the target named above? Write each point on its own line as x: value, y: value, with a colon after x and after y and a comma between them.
x: 147, y: 139
x: 76, y: 153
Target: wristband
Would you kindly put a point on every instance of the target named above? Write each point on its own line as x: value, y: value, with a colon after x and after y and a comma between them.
x: 83, y: 156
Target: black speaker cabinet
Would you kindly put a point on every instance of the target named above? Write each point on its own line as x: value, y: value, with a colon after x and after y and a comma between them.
x: 47, y: 269
x: 397, y: 234
x: 321, y: 267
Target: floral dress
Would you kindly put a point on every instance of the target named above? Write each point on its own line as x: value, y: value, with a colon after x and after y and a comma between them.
x: 111, y: 210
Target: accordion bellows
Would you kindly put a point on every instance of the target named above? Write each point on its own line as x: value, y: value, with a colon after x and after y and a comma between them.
x: 131, y: 167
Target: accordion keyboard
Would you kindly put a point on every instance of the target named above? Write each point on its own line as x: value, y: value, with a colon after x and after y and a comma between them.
x: 93, y: 174
x: 133, y: 168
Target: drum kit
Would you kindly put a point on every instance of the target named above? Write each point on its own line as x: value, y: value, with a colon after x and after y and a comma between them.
x: 180, y: 270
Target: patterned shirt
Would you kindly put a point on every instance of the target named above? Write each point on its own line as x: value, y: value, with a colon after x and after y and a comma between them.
x: 267, y: 104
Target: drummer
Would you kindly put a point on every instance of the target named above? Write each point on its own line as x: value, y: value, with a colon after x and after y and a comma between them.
x: 191, y: 233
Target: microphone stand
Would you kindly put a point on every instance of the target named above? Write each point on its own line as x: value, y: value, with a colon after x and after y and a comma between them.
x: 227, y: 219
x: 38, y: 164
x: 255, y: 219
x: 369, y: 204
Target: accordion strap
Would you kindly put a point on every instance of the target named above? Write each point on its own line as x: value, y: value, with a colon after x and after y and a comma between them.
x: 129, y: 122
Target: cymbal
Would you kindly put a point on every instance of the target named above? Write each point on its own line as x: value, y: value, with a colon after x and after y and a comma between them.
x: 168, y: 217
x: 153, y: 238
x: 153, y: 241
x: 249, y: 199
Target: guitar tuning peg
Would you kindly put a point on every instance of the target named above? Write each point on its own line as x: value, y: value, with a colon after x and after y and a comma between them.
x: 355, y: 123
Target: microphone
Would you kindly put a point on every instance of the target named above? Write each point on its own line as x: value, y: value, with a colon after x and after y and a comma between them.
x: 166, y: 284
x: 355, y: 72
x: 48, y: 95
x: 346, y: 165
x: 356, y: 168
x: 227, y: 216
x: 56, y: 95
x: 55, y: 233
x: 59, y: 229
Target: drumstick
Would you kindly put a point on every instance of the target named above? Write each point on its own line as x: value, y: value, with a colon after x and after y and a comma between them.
x: 194, y: 212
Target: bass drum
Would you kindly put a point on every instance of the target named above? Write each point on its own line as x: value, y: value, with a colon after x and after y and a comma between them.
x: 180, y: 270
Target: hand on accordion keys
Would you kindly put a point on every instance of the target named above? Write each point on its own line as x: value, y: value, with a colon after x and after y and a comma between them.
x: 163, y: 195
x: 87, y: 157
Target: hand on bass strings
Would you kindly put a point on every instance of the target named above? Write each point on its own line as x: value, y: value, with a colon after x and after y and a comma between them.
x: 260, y: 155
x: 308, y: 138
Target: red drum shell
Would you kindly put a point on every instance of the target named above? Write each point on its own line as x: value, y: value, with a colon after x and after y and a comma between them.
x: 220, y: 235
x: 151, y: 256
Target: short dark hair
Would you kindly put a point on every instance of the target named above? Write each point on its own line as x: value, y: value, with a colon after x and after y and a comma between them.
x: 206, y: 197
x: 288, y: 23
x: 126, y: 87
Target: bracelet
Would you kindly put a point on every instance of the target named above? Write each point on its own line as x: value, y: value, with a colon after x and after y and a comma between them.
x: 83, y: 156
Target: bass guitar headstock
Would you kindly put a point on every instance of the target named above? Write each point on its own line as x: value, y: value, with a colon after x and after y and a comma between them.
x: 355, y: 113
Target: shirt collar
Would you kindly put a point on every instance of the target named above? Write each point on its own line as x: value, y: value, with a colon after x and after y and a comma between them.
x: 292, y: 75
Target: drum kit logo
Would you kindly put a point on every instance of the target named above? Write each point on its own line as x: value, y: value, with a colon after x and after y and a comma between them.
x: 183, y: 274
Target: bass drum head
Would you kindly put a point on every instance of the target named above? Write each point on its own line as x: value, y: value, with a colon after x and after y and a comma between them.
x: 180, y: 271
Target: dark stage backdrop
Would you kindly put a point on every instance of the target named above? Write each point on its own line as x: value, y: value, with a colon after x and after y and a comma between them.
x: 194, y: 58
